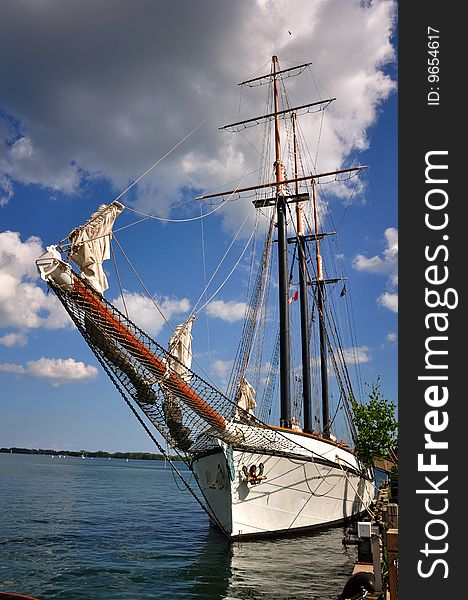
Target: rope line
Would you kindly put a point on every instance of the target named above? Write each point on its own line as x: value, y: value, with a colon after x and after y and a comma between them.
x: 194, y: 310
x: 368, y: 510
x: 189, y: 219
x: 120, y: 283
x: 232, y: 270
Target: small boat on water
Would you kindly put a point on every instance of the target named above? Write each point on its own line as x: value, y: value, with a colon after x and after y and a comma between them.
x: 252, y: 477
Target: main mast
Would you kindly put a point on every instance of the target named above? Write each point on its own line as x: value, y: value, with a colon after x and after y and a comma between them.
x: 285, y: 368
x: 322, y: 331
x: 306, y: 384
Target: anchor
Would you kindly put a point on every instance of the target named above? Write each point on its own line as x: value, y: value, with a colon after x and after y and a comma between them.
x: 252, y: 476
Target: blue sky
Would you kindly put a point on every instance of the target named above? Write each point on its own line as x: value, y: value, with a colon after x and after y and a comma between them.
x: 93, y: 101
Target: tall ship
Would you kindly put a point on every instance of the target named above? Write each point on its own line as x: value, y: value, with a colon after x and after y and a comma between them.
x: 253, y: 477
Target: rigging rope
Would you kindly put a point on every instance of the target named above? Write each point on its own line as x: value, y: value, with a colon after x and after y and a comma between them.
x: 371, y: 514
x: 194, y: 312
x: 143, y: 285
x: 248, y: 329
x: 189, y: 219
x: 118, y: 279
x: 230, y: 272
x: 202, y: 240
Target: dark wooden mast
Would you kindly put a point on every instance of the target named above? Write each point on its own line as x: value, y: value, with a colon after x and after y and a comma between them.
x: 304, y: 306
x: 283, y: 272
x: 322, y: 330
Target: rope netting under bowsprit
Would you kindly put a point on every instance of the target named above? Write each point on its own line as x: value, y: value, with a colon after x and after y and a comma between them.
x: 188, y: 412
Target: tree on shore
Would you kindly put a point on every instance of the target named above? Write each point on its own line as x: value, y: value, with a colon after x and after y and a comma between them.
x: 376, y: 425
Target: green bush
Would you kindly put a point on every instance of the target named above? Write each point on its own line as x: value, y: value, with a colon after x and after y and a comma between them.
x: 376, y: 426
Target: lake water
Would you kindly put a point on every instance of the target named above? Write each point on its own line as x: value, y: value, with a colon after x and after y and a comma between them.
x: 74, y: 529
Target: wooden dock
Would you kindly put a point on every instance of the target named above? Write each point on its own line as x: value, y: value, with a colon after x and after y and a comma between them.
x: 378, y: 554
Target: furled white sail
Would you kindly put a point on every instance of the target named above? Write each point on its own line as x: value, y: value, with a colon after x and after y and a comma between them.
x: 91, y: 244
x: 246, y: 395
x: 180, y: 346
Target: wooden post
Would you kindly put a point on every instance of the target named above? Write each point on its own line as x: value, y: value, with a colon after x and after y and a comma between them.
x: 375, y: 548
x: 392, y: 516
x: 385, y: 514
x: 391, y: 542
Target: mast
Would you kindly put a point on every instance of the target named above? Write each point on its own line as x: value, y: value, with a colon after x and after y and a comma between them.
x: 285, y: 370
x: 306, y: 385
x: 322, y: 332
x: 279, y: 200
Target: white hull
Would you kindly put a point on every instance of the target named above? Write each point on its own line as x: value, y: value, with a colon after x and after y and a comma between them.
x: 317, y: 486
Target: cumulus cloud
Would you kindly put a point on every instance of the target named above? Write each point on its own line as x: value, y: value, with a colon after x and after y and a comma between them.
x: 112, y: 105
x: 23, y: 304
x: 222, y: 368
x: 352, y: 356
x: 386, y: 264
x: 6, y: 189
x: 356, y: 356
x: 230, y: 311
x: 26, y: 163
x: 390, y: 340
x: 57, y: 371
x: 143, y: 312
x: 388, y: 300
x: 13, y: 339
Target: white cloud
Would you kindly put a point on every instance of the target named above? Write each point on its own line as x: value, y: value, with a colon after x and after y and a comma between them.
x: 389, y: 301
x: 107, y: 109
x: 222, y: 368
x: 6, y: 190
x: 386, y: 264
x: 226, y: 311
x: 12, y: 368
x: 13, y: 339
x: 389, y: 341
x: 28, y: 164
x: 23, y: 304
x: 17, y: 256
x: 356, y: 356
x: 143, y: 312
x: 57, y: 371
x: 352, y: 356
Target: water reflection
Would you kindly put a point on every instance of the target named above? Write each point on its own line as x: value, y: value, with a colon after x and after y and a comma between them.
x: 308, y: 567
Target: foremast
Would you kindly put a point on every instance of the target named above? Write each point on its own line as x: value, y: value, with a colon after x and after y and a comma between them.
x: 285, y: 360
x: 303, y: 297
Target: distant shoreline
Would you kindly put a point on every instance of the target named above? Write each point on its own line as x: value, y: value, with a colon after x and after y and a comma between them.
x: 88, y: 454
